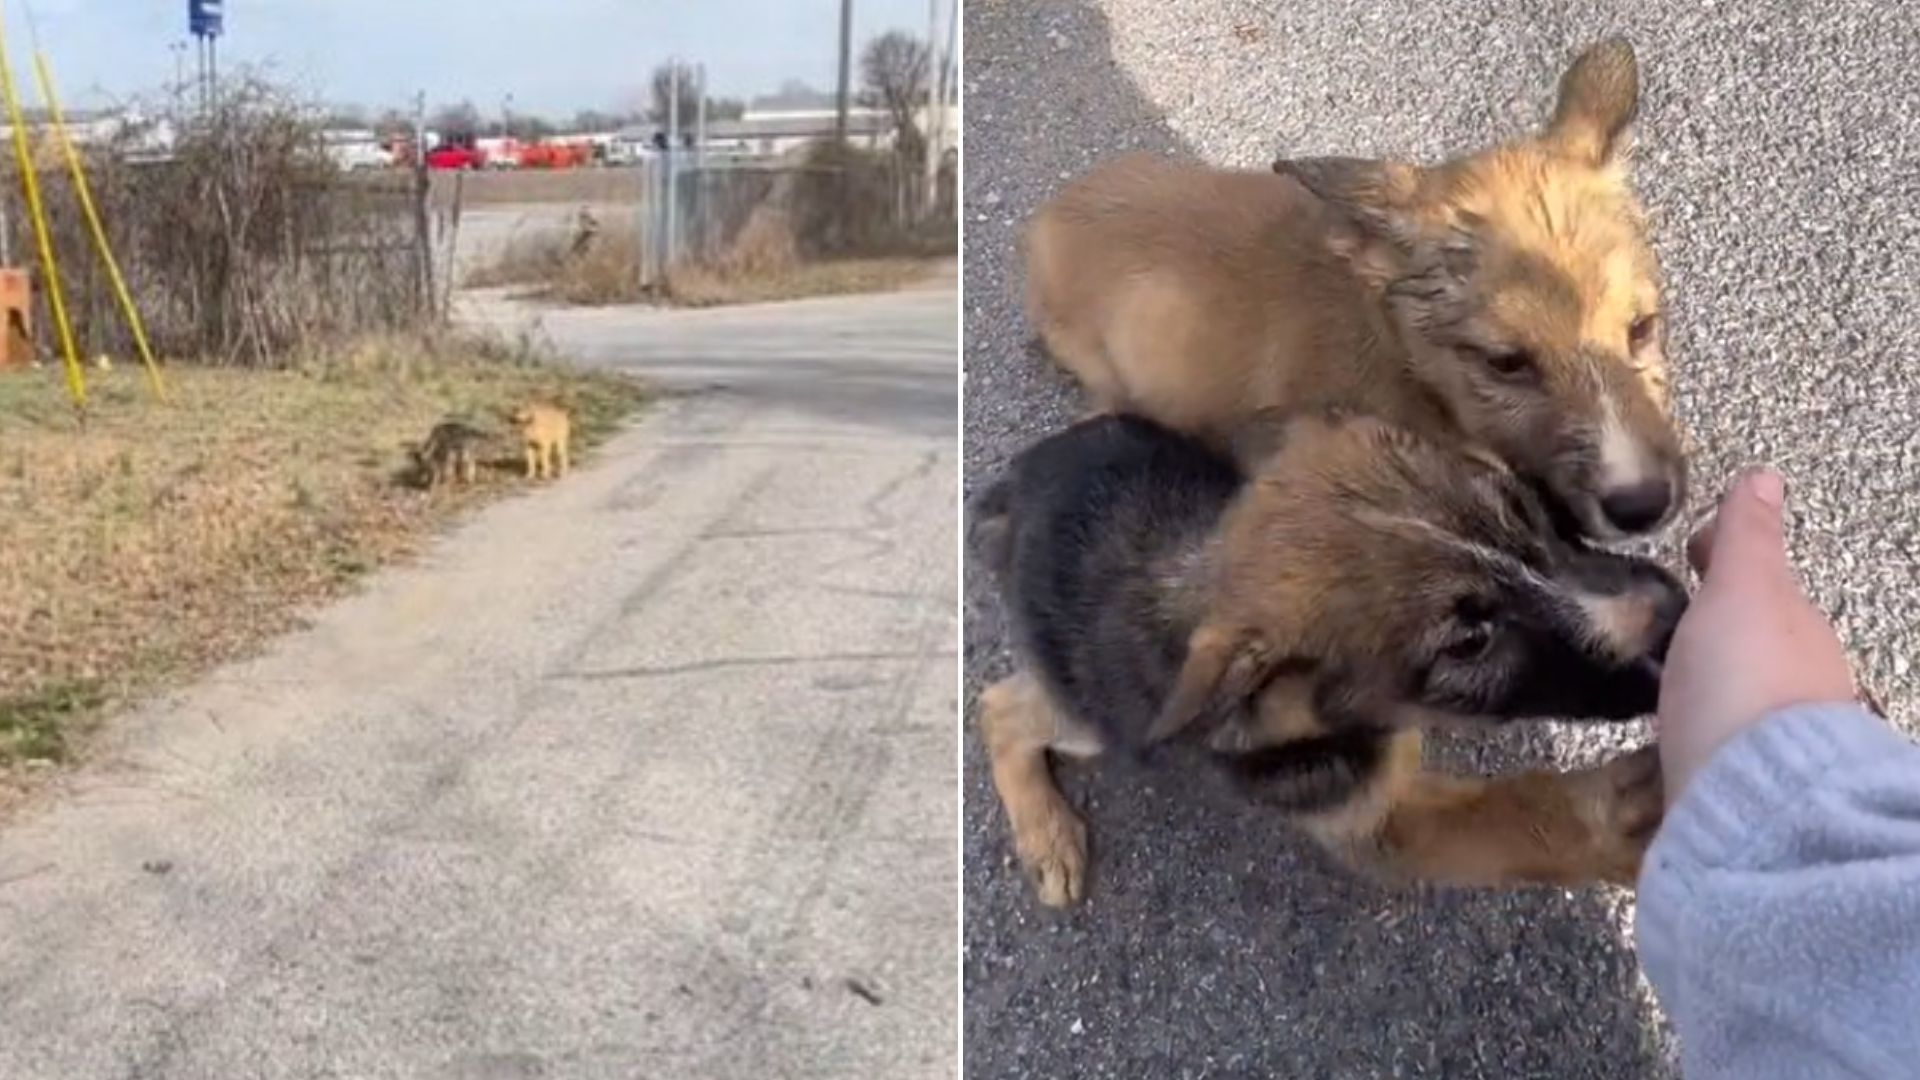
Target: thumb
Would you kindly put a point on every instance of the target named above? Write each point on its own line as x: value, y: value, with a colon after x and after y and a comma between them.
x: 1748, y: 543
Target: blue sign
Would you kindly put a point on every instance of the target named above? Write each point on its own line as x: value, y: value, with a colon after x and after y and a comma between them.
x: 206, y: 18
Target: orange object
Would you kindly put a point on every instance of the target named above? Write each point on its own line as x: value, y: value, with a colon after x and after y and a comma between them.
x: 16, y: 306
x: 555, y: 155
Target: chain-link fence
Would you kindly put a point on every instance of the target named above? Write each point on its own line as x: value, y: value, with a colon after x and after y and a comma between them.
x: 611, y: 234
x: 242, y: 245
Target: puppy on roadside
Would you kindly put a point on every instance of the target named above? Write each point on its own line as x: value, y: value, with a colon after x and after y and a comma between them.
x: 447, y: 454
x: 1361, y: 582
x: 545, y: 431
x: 1509, y: 297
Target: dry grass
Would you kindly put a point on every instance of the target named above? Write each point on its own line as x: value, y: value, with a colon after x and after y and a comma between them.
x: 705, y: 286
x: 606, y: 271
x: 763, y: 265
x: 535, y: 258
x: 160, y: 540
x: 830, y: 224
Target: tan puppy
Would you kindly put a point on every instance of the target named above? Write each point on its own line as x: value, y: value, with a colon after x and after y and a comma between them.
x: 1508, y: 296
x: 545, y: 430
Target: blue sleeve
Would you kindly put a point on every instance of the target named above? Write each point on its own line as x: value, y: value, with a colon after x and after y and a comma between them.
x: 1779, y: 906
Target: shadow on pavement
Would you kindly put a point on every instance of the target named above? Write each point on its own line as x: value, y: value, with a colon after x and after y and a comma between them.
x: 1215, y: 942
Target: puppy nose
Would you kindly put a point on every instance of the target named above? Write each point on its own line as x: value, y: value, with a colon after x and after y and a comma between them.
x: 1639, y: 507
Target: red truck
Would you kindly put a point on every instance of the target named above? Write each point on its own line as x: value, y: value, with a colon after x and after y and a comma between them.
x: 456, y: 155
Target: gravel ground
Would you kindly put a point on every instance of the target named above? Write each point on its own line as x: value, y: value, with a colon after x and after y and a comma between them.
x: 1776, y: 152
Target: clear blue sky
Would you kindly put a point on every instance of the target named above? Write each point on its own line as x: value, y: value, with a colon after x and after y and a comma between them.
x: 553, y: 56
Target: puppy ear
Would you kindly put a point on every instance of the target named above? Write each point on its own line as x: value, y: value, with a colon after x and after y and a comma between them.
x: 1261, y: 437
x: 1374, y: 203
x: 1224, y: 665
x: 1486, y: 459
x: 1283, y: 711
x: 1599, y: 95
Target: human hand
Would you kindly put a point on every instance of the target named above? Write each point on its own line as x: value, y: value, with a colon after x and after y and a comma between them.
x: 1750, y: 642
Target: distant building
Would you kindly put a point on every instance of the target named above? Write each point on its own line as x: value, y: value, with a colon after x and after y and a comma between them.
x: 949, y: 124
x: 137, y: 135
x: 772, y: 135
x: 779, y: 124
x: 766, y: 135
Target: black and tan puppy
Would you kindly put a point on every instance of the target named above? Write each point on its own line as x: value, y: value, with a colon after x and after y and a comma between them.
x: 448, y: 454
x: 1360, y: 584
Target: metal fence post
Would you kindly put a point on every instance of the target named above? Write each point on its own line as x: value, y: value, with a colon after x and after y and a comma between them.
x: 649, y: 207
x: 673, y: 161
x: 654, y: 216
x: 700, y: 223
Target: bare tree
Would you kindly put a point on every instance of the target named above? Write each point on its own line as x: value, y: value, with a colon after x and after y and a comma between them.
x: 587, y: 121
x: 663, y: 93
x: 460, y: 121
x: 527, y: 127
x: 347, y: 116
x: 393, y: 121
x: 894, y: 68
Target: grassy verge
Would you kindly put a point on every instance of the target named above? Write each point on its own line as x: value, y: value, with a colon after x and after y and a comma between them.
x: 701, y: 286
x: 158, y: 540
x: 608, y: 272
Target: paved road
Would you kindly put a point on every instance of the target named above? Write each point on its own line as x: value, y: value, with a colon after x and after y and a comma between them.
x: 649, y: 774
x: 1776, y: 150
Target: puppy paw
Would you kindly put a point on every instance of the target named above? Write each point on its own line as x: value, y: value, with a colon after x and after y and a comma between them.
x: 1053, y: 849
x: 1622, y: 803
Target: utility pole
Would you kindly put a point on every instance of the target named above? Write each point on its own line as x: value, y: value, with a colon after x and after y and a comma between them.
x: 179, y: 51
x: 936, y: 104
x: 949, y: 90
x: 930, y: 145
x: 846, y: 60
x: 673, y: 160
x: 700, y: 159
x: 422, y: 188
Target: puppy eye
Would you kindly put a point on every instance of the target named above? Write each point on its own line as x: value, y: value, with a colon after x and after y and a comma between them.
x: 1473, y: 624
x: 1512, y: 363
x: 1515, y: 364
x: 1472, y: 645
x: 1640, y: 332
x: 1472, y: 611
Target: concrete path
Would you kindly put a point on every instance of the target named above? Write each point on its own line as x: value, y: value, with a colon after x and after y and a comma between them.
x: 648, y: 774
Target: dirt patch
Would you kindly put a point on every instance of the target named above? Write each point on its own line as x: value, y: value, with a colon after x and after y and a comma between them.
x: 518, y: 186
x: 158, y: 540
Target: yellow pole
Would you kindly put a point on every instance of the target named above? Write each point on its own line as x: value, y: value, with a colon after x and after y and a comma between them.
x: 76, y: 375
x: 85, y: 191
